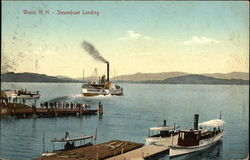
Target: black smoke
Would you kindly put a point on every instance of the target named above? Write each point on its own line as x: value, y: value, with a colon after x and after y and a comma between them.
x: 91, y: 50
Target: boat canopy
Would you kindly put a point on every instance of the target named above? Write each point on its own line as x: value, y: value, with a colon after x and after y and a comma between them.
x: 71, y: 139
x: 212, y: 123
x: 162, y: 128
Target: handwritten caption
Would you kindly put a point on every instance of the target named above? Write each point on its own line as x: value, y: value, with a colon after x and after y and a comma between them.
x: 61, y: 12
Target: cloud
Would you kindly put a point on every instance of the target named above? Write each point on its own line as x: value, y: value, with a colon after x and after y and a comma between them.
x: 200, y: 41
x: 132, y: 35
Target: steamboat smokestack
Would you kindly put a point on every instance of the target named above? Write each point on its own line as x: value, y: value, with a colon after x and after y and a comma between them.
x: 107, y: 71
x: 196, y: 121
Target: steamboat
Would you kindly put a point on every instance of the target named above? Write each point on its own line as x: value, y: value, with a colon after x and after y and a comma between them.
x: 102, y: 87
x: 201, y: 137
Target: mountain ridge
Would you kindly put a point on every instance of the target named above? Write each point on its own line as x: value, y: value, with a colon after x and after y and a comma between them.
x: 199, y: 79
x: 34, y: 77
x: 163, y: 75
x: 172, y: 78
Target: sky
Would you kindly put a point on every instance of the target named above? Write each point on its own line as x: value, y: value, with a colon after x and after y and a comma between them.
x: 148, y: 37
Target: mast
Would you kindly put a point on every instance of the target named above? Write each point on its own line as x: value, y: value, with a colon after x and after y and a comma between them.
x: 95, y: 75
x: 83, y: 75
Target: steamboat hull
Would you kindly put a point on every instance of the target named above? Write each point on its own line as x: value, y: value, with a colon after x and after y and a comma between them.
x: 93, y: 94
x: 91, y: 91
x: 176, y: 151
x: 99, y: 94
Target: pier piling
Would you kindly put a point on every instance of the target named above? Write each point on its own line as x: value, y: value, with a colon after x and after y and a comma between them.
x: 100, y: 108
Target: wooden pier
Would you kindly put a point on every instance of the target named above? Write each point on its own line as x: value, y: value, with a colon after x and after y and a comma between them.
x: 114, y: 150
x: 145, y: 152
x: 96, y: 152
x: 22, y: 110
x: 148, y: 151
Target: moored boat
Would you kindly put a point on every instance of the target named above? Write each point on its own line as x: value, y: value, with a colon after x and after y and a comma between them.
x: 161, y: 135
x: 24, y: 94
x: 69, y: 144
x: 201, y: 137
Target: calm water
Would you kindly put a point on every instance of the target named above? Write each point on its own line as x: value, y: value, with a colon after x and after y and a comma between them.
x: 128, y: 117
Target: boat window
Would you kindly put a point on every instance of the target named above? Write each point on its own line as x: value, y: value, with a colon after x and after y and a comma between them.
x: 182, y: 135
x: 197, y: 136
x: 164, y: 133
x: 190, y: 136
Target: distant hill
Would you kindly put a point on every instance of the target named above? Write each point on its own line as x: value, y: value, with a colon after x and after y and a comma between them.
x: 172, y: 78
x: 232, y: 75
x: 33, y: 77
x: 165, y: 75
x: 149, y: 76
x: 199, y: 79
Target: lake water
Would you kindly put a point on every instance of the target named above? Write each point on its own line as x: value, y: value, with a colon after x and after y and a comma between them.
x: 128, y: 117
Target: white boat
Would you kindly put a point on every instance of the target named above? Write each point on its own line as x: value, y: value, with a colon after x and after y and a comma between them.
x: 24, y: 94
x: 69, y: 144
x: 103, y: 87
x: 208, y: 134
x: 161, y: 135
x: 96, y: 89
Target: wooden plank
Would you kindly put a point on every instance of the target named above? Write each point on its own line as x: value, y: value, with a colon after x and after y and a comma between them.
x: 141, y: 153
x: 148, y: 151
